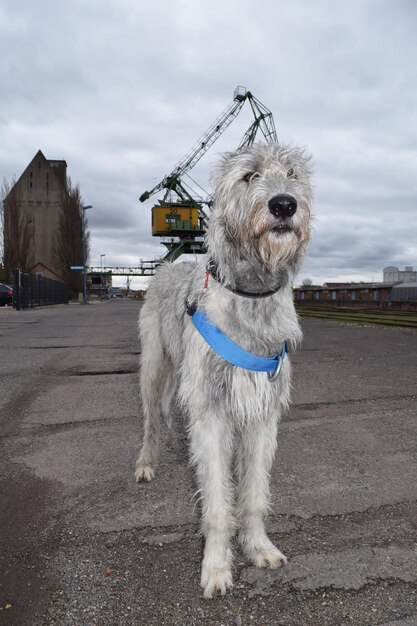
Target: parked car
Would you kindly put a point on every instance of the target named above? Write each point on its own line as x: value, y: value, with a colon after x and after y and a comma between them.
x: 6, y: 295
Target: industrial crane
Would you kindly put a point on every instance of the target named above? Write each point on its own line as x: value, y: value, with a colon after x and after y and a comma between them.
x: 185, y: 218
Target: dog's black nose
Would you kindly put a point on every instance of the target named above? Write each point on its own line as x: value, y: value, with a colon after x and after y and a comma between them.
x: 283, y: 205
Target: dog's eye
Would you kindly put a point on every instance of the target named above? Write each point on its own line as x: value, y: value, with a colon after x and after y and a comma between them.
x: 292, y: 174
x: 250, y: 176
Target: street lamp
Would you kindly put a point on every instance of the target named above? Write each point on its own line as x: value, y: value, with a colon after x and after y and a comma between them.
x: 101, y: 276
x: 84, y: 209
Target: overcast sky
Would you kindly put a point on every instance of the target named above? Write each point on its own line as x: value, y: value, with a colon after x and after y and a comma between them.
x: 121, y: 89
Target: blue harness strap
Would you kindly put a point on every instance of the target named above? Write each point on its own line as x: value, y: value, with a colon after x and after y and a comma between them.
x: 234, y: 354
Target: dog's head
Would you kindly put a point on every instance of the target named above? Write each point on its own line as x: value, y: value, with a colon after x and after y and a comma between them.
x: 262, y: 201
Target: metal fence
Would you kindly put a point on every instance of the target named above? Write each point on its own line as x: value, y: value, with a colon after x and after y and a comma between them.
x: 30, y: 290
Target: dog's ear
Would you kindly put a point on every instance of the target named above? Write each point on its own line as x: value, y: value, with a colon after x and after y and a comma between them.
x: 232, y: 167
x: 221, y: 168
x: 299, y: 159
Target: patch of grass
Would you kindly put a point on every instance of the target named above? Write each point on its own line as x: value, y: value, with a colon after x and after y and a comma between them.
x: 405, y: 320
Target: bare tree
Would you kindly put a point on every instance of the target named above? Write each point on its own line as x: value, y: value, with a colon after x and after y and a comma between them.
x: 16, y: 230
x: 69, y: 243
x: 307, y: 282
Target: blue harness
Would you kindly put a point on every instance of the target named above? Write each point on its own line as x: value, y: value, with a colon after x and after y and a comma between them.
x: 234, y: 354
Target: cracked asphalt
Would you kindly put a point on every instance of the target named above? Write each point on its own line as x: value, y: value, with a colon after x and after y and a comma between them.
x: 82, y: 544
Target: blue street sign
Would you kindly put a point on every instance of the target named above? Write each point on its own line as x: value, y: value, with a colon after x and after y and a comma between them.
x: 77, y: 267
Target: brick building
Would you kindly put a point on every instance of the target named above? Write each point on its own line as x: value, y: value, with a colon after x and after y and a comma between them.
x: 372, y: 296
x: 342, y: 294
x: 32, y: 212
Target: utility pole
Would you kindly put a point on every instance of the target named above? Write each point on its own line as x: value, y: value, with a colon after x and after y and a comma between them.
x: 84, y: 209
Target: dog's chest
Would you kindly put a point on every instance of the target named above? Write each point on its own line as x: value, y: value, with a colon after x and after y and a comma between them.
x: 246, y: 396
x: 257, y: 326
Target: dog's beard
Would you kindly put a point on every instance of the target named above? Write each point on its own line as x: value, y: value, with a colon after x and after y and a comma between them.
x: 277, y: 241
x: 280, y: 243
x: 261, y: 238
x: 276, y: 247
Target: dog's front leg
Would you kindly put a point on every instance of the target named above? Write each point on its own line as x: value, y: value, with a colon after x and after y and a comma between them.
x: 255, y: 455
x: 211, y: 451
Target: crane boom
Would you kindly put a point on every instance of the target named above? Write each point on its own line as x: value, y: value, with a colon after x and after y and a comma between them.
x: 263, y: 120
x: 179, y: 218
x: 209, y: 137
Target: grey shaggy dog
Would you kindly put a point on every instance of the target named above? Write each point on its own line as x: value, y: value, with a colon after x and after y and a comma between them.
x: 257, y: 236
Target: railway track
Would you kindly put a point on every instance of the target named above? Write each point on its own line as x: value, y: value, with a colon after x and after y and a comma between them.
x: 405, y: 320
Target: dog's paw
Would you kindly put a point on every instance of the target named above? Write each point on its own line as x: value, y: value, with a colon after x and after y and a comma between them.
x: 216, y: 580
x: 144, y: 473
x: 268, y: 556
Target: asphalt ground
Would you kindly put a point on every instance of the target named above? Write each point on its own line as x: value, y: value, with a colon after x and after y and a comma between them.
x: 83, y: 544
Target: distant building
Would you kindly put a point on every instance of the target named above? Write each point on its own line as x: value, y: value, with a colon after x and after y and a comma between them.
x: 394, y: 275
x: 355, y: 294
x: 100, y: 285
x: 397, y: 291
x: 32, y: 213
x: 404, y: 292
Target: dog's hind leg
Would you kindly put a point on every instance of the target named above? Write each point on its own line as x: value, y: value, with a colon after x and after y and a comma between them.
x: 168, y: 394
x: 211, y: 453
x: 254, y: 460
x: 156, y: 382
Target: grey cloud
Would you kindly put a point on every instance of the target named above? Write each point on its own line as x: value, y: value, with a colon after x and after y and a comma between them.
x: 121, y: 90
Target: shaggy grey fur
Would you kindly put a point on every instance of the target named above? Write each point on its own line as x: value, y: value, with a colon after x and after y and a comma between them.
x: 232, y: 413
